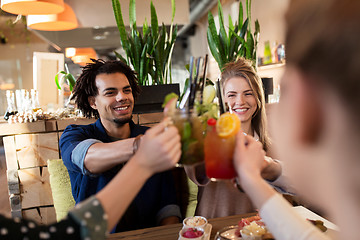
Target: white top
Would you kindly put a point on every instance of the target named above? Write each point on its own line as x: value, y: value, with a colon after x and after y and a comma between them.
x: 285, y: 223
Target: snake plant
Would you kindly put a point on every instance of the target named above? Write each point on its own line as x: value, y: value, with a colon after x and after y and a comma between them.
x: 238, y: 41
x: 149, y: 51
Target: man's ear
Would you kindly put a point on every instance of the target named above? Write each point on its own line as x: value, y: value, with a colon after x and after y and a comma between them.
x: 92, y: 102
x: 310, y: 111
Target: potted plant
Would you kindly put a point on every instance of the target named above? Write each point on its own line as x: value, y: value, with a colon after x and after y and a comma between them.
x: 240, y: 41
x: 69, y: 79
x: 149, y: 53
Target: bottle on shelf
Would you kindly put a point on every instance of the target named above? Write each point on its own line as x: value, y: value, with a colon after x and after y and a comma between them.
x: 281, y: 52
x: 11, y: 108
x: 274, y: 53
x: 267, y: 53
x: 35, y: 105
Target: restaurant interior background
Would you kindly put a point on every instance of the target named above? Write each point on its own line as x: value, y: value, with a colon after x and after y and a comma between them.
x: 97, y: 29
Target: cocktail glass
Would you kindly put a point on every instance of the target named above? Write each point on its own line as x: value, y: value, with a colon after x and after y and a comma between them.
x: 192, y: 136
x: 218, y: 154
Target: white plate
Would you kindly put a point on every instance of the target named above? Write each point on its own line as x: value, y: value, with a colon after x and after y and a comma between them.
x: 305, y: 213
x: 332, y: 229
x: 207, y: 233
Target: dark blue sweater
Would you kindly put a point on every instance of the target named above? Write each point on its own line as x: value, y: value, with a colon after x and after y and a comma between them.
x: 158, y: 191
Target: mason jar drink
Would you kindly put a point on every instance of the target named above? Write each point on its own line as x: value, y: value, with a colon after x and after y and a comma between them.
x: 192, y: 136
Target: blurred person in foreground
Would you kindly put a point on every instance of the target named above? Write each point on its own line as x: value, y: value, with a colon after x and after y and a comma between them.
x: 94, y: 217
x: 93, y: 154
x: 317, y: 123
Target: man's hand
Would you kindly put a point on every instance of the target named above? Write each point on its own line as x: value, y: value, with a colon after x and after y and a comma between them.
x: 160, y: 148
x: 249, y: 157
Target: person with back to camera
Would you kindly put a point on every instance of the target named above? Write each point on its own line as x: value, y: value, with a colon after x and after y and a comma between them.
x: 244, y: 95
x: 96, y: 216
x: 317, y: 123
x: 94, y: 153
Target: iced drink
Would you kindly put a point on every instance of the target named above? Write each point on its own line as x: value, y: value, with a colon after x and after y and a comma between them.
x: 219, y: 153
x: 192, y: 136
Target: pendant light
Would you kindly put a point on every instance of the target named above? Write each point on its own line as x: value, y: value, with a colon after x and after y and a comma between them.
x: 27, y: 7
x: 80, y: 56
x: 65, y: 20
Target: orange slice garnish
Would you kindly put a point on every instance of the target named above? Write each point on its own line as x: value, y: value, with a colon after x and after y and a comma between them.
x: 227, y: 125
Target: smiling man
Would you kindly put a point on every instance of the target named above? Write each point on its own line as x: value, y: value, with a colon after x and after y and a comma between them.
x: 94, y: 153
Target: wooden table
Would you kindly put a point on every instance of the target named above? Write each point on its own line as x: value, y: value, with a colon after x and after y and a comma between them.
x: 170, y: 232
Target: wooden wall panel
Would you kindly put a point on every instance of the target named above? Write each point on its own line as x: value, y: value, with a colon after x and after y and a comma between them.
x: 35, y: 187
x: 10, y: 153
x: 41, y: 215
x: 34, y: 150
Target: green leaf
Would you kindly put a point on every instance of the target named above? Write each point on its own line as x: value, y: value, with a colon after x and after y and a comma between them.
x: 213, y: 49
x: 248, y: 12
x: 154, y: 21
x: 173, y: 8
x: 223, y: 36
x: 244, y: 29
x: 71, y: 81
x: 120, y: 23
x: 145, y: 28
x: 231, y: 25
x: 132, y: 13
x: 241, y: 14
x: 142, y: 74
x: 57, y: 81
x: 250, y: 44
x: 213, y: 40
x: 120, y: 57
x: 223, y: 47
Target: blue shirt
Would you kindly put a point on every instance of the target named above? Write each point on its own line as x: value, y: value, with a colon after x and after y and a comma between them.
x: 155, y: 201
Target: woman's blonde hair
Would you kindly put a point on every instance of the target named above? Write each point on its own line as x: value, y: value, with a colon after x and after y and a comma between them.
x: 243, y: 68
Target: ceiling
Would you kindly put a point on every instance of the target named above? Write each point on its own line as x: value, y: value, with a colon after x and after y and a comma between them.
x: 98, y: 27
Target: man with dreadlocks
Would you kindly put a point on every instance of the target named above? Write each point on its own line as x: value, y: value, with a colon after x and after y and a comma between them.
x: 94, y: 153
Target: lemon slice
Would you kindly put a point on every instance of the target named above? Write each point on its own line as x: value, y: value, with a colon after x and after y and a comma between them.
x: 227, y: 125
x: 209, y: 94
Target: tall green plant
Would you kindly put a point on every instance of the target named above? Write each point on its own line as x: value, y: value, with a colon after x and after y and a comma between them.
x: 238, y: 41
x: 148, y: 52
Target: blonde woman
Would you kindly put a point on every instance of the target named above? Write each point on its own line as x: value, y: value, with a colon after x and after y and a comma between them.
x: 244, y: 95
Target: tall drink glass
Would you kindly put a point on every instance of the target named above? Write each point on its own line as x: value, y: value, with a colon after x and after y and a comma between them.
x: 218, y: 154
x: 192, y: 136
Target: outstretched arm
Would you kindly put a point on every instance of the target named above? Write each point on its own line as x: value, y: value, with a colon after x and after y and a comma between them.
x: 249, y: 162
x: 111, y: 154
x: 141, y: 166
x: 280, y: 218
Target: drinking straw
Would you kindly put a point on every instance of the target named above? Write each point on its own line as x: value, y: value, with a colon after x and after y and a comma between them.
x: 203, y: 79
x: 220, y: 96
x: 194, y: 84
x: 230, y: 109
x: 187, y: 93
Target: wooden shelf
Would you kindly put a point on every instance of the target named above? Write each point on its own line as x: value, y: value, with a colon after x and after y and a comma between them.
x: 270, y: 66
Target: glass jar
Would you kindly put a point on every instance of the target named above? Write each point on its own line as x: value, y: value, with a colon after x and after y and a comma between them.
x: 192, y: 136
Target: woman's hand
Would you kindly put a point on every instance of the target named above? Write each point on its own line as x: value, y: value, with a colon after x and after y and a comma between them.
x: 160, y: 148
x: 271, y: 170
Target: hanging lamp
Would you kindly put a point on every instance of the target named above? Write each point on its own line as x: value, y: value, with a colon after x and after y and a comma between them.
x: 27, y: 7
x: 81, y: 56
x: 65, y: 20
